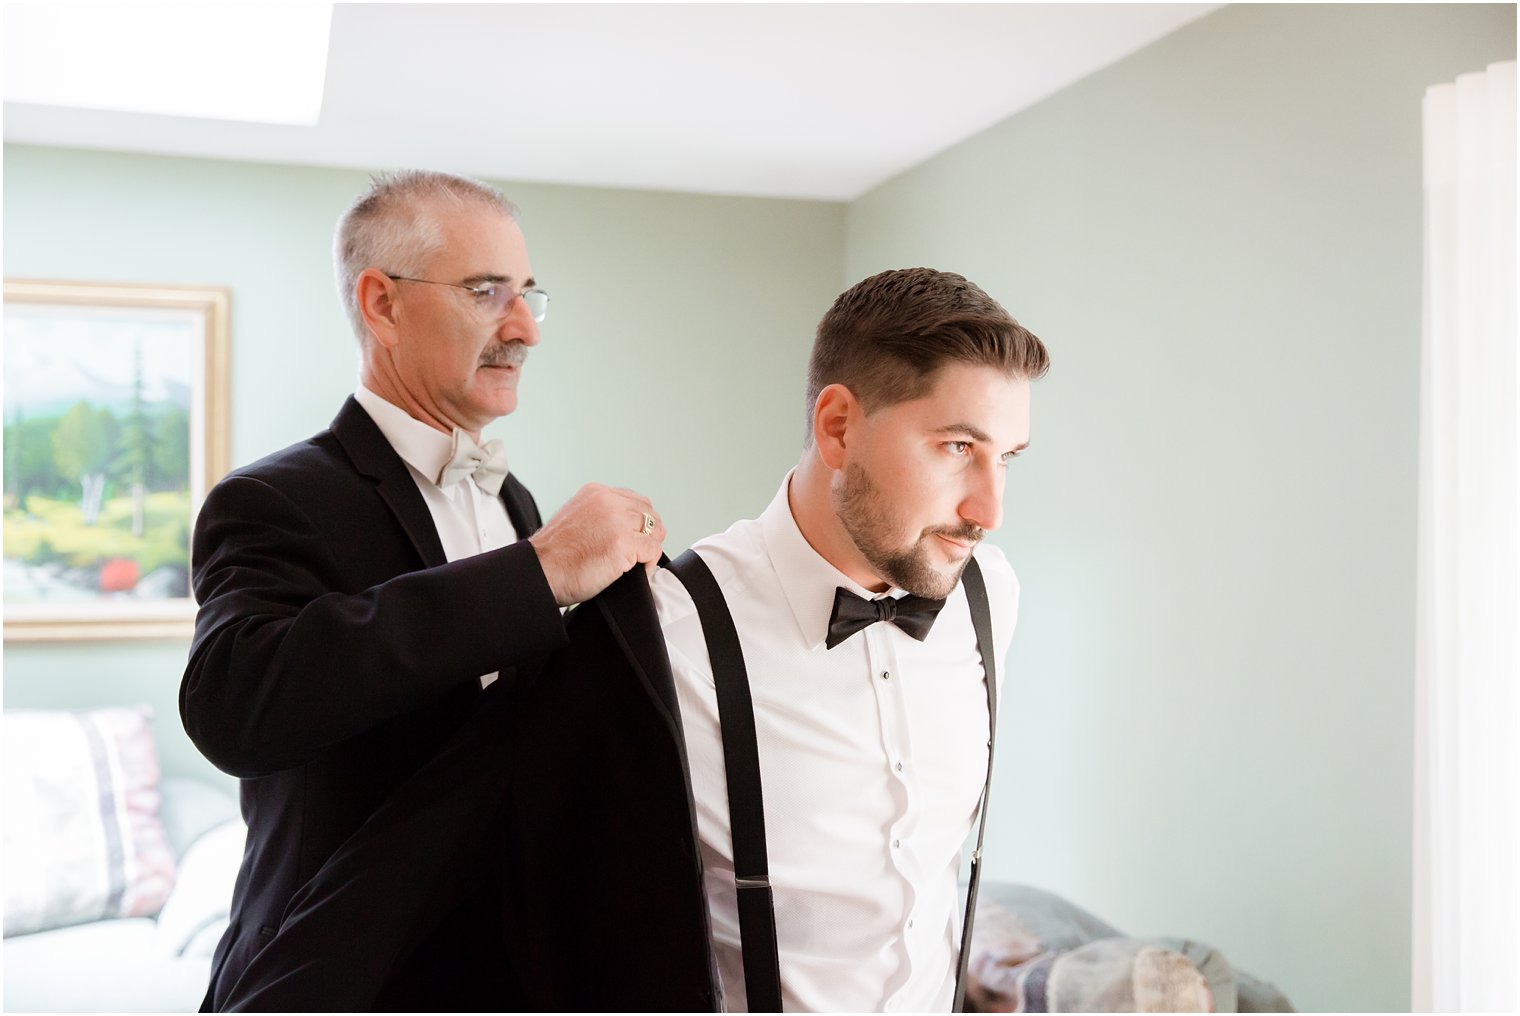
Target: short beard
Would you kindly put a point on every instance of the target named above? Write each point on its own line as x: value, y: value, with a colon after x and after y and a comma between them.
x: 870, y: 523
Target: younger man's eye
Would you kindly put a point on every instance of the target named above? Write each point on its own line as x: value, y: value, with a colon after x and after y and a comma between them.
x: 958, y: 448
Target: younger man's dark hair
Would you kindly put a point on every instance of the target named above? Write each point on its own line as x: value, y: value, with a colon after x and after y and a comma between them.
x: 887, y: 337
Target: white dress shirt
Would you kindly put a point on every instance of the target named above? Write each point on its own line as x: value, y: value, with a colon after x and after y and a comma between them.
x: 872, y: 758
x: 469, y: 521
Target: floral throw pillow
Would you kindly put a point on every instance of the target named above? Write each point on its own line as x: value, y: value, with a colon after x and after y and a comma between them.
x: 83, y: 840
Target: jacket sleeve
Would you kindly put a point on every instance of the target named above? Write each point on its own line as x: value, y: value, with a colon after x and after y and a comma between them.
x: 285, y: 663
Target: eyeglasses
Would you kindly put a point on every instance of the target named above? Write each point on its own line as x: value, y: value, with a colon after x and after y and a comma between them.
x: 493, y: 297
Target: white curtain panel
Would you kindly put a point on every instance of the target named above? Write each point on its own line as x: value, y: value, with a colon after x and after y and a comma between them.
x: 1467, y: 782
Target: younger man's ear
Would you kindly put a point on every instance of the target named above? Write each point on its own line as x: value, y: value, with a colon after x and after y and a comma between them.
x: 834, y: 415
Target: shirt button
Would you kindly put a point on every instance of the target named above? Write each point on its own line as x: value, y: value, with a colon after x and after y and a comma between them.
x: 899, y: 767
x: 896, y: 844
x: 910, y: 922
x: 886, y: 675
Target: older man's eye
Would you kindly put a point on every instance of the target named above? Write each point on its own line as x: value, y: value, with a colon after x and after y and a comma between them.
x: 484, y: 294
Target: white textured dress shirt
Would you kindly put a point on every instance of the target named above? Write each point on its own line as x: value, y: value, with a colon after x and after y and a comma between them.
x: 469, y: 521
x: 872, y: 759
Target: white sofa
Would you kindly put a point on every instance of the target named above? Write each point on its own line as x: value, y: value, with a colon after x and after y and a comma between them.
x: 142, y: 964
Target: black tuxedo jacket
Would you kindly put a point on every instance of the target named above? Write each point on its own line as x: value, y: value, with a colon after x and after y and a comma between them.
x: 565, y: 800
x: 335, y: 652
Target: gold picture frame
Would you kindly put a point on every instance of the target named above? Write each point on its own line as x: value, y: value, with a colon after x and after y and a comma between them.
x: 116, y: 426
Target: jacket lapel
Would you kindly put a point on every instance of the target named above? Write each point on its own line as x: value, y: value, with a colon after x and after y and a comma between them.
x: 374, y: 457
x: 628, y: 607
x: 520, y: 508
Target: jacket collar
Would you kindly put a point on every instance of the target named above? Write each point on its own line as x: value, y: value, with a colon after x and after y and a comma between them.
x: 422, y: 446
x: 628, y: 608
x: 373, y: 457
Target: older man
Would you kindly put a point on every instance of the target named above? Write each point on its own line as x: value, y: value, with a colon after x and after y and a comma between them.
x: 868, y: 668
x: 359, y: 589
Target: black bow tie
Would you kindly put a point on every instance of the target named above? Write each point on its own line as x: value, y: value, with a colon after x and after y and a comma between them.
x: 913, y: 614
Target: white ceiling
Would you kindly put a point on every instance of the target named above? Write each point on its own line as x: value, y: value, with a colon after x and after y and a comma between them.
x: 780, y: 100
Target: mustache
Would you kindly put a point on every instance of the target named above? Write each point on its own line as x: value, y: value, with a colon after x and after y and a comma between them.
x: 968, y: 533
x: 510, y: 354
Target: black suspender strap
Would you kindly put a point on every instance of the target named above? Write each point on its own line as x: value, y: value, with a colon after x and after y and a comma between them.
x: 981, y: 621
x: 741, y: 764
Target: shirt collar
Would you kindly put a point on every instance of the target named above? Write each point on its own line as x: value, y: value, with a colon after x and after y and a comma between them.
x: 806, y: 577
x: 426, y: 449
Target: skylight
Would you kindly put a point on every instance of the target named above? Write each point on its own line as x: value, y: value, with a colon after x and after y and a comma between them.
x: 264, y: 63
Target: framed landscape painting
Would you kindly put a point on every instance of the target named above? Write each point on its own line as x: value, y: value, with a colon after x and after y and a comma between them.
x: 115, y: 428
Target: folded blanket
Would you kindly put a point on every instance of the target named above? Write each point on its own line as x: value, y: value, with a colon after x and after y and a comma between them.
x: 1109, y: 975
x: 1035, y: 952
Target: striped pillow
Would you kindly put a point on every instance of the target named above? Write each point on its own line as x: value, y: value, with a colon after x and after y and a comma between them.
x: 83, y: 840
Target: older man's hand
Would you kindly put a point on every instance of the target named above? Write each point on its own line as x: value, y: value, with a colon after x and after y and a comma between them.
x: 597, y: 536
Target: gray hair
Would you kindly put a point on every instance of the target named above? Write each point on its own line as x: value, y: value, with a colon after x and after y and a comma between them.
x: 392, y: 227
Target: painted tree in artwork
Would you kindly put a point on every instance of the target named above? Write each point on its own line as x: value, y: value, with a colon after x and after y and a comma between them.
x: 83, y: 443
x: 15, y: 455
x: 169, y: 466
x: 29, y: 464
x: 136, y: 446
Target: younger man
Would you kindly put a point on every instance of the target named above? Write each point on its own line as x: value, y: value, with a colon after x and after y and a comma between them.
x: 872, y: 749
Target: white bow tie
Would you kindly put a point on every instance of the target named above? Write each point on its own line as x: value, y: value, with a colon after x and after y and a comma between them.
x: 485, y: 464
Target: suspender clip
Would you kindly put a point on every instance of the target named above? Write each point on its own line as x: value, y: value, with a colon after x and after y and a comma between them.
x: 752, y: 883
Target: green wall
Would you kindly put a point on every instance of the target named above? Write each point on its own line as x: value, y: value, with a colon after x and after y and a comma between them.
x: 672, y: 361
x: 1208, y: 727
